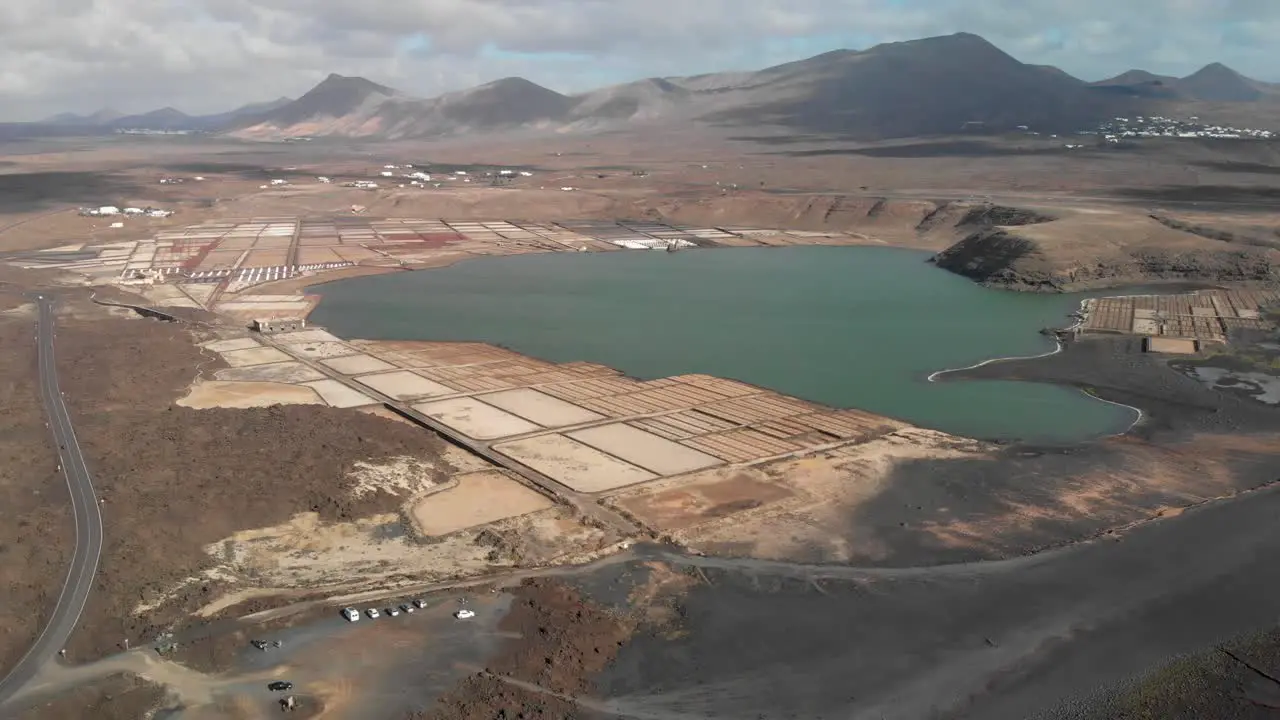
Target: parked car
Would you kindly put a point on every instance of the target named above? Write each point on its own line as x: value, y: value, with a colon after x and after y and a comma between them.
x: 392, y: 612
x: 419, y: 603
x: 280, y: 685
x: 406, y: 608
x: 372, y: 613
x: 351, y: 614
x: 465, y: 614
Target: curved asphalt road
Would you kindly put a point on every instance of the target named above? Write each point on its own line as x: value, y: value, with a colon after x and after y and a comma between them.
x: 86, y: 513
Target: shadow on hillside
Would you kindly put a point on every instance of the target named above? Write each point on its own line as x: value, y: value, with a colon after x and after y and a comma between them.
x: 25, y: 192
x: 782, y: 139
x: 959, y: 148
x: 1259, y: 195
x: 1239, y: 166
x: 232, y: 168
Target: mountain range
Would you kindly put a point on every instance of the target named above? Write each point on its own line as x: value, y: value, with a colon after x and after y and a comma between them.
x: 931, y: 86
x: 165, y: 118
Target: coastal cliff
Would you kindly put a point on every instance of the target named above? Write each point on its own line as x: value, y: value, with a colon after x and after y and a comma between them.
x: 1090, y: 251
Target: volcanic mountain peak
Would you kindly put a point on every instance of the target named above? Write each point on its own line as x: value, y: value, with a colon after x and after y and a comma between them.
x: 1136, y: 76
x: 336, y: 83
x: 961, y: 46
x: 334, y: 97
x: 1216, y: 82
x: 513, y: 84
x: 106, y: 114
x: 508, y: 101
x: 166, y: 112
x: 1215, y: 68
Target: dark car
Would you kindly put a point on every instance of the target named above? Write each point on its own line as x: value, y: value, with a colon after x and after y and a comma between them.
x: 280, y: 685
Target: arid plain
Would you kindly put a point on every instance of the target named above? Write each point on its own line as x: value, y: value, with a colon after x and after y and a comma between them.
x: 271, y: 478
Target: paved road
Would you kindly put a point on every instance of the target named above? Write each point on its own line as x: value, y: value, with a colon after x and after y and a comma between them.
x: 86, y: 513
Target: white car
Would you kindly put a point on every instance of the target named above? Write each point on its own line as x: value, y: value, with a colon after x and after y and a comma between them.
x: 419, y: 603
x: 392, y: 612
x: 465, y: 614
x: 372, y: 613
x: 351, y: 614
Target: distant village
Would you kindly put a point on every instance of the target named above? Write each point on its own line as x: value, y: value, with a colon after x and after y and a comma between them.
x: 150, y: 131
x: 112, y: 210
x: 402, y: 176
x: 1154, y: 126
x: 397, y: 175
x: 1117, y: 130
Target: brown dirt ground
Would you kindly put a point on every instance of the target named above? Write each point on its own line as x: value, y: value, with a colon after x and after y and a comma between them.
x: 122, y: 697
x: 35, y: 522
x: 175, y: 479
x: 688, y: 176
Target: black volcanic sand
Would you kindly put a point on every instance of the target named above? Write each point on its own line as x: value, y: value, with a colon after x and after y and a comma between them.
x: 1059, y: 633
x: 1115, y: 368
x: 40, y: 190
x: 1023, y: 638
x: 1206, y: 195
x: 960, y: 148
x: 1027, y: 498
x: 985, y: 495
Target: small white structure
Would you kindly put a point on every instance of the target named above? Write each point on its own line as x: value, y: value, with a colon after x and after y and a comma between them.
x: 459, y: 172
x: 387, y: 173
x: 526, y: 173
x: 275, y: 325
x: 324, y: 179
x: 278, y: 181
x: 158, y: 213
x: 108, y: 210
x: 133, y: 211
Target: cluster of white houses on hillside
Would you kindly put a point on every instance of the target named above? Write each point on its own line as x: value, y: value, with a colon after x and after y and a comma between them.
x: 109, y: 210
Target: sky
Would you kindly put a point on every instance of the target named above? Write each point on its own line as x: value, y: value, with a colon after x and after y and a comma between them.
x: 204, y: 56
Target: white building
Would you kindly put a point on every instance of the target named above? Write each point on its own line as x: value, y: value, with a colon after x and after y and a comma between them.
x: 274, y: 325
x: 108, y: 210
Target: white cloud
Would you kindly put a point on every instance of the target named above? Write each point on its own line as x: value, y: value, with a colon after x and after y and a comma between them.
x: 211, y: 55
